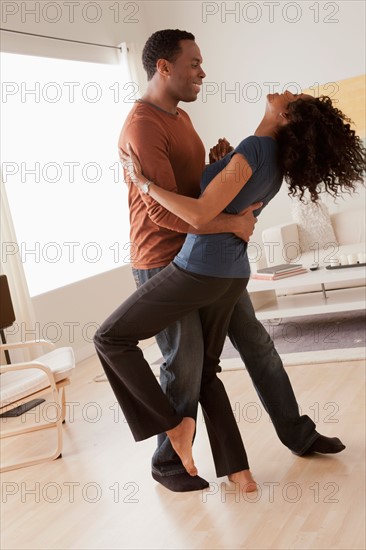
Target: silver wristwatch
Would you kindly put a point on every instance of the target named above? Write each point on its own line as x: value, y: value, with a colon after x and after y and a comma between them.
x: 145, y: 187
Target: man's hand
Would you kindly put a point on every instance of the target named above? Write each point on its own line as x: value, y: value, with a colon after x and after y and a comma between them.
x: 220, y: 150
x: 247, y: 222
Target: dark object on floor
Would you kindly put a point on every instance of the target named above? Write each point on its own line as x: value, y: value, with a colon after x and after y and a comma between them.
x: 21, y: 409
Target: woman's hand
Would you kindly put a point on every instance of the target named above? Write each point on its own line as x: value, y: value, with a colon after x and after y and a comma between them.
x: 132, y: 165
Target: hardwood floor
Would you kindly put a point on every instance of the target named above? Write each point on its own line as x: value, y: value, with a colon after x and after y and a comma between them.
x: 100, y: 495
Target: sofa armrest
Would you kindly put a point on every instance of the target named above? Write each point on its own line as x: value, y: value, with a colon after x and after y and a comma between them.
x: 281, y: 243
x: 349, y: 226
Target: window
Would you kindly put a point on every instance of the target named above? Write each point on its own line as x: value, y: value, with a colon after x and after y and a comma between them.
x: 60, y: 125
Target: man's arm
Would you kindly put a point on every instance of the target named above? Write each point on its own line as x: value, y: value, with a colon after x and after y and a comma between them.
x: 152, y: 147
x: 242, y: 225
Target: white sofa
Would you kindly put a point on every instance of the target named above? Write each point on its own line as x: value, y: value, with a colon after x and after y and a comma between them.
x: 282, y: 243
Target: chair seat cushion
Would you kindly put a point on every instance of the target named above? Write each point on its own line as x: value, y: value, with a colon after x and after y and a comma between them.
x: 21, y: 383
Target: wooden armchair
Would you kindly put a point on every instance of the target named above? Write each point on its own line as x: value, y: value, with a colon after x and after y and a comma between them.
x: 23, y: 382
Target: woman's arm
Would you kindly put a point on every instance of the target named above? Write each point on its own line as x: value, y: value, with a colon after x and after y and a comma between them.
x: 197, y: 212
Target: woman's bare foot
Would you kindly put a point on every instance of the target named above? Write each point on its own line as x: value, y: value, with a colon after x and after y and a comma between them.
x: 245, y: 480
x: 181, y: 438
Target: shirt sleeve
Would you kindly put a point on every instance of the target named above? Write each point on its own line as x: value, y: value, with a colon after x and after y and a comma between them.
x: 251, y: 151
x: 151, y: 146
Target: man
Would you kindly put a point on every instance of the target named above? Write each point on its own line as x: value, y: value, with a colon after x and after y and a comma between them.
x: 172, y: 155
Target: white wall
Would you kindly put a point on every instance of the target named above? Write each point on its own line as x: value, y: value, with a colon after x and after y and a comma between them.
x: 303, y: 52
x: 70, y: 315
x: 238, y: 55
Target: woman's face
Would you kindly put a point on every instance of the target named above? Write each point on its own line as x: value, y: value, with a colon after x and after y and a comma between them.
x: 278, y: 103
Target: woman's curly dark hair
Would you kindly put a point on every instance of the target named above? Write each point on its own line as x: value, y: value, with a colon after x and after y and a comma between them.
x: 319, y: 150
x: 162, y: 45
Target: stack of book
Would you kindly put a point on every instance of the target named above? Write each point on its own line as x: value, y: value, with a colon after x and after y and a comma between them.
x: 279, y: 271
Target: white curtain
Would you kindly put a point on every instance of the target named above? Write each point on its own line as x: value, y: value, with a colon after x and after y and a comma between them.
x: 132, y: 52
x: 11, y: 266
x: 11, y: 263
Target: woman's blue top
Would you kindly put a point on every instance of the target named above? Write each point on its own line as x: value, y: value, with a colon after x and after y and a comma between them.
x: 224, y: 254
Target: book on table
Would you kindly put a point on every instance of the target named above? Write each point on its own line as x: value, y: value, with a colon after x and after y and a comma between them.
x: 279, y: 271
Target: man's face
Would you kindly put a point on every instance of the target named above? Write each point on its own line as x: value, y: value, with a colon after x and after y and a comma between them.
x: 185, y: 73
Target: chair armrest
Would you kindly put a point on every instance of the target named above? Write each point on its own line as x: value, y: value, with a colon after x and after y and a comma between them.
x: 29, y: 343
x: 281, y: 243
x: 28, y: 365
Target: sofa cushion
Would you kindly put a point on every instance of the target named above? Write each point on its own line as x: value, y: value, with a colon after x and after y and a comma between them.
x: 314, y: 225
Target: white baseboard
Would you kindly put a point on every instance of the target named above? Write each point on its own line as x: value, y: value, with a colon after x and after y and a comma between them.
x: 324, y: 356
x: 152, y: 353
x: 306, y: 358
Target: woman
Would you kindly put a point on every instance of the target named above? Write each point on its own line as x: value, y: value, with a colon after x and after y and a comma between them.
x: 303, y: 139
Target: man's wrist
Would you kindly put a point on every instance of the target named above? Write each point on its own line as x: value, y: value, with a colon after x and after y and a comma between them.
x: 224, y: 223
x: 238, y: 228
x: 234, y: 224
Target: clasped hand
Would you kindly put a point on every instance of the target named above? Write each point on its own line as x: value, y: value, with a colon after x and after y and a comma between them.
x: 220, y: 150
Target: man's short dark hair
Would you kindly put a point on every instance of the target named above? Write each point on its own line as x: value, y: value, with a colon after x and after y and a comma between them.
x: 162, y: 45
